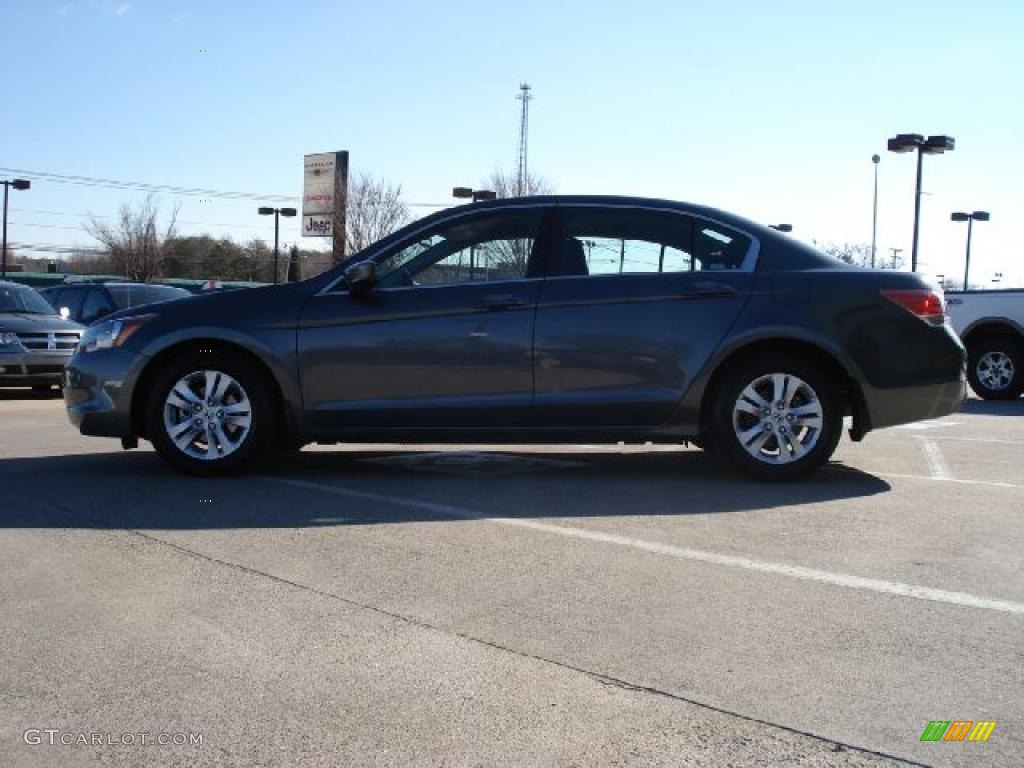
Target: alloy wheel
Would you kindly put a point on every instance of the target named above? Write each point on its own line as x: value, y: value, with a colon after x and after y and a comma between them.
x: 207, y: 415
x: 995, y: 370
x: 778, y: 418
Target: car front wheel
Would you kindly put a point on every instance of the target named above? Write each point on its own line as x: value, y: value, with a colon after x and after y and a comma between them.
x: 776, y: 419
x: 210, y: 414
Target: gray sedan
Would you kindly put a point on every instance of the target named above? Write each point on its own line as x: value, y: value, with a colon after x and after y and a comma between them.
x: 547, y: 319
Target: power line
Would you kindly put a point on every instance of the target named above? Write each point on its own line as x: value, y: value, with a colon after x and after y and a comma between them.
x: 91, y: 181
x: 81, y: 228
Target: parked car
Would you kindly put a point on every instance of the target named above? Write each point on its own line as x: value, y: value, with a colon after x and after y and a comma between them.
x: 546, y: 319
x: 88, y: 302
x: 35, y: 341
x: 991, y: 325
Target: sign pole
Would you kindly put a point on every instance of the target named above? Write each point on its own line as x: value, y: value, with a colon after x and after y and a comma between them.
x: 340, y: 202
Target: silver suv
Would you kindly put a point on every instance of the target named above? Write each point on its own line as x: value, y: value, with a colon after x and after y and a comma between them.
x: 35, y: 341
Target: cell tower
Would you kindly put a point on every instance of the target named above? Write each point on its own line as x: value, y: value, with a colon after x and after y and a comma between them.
x: 524, y: 127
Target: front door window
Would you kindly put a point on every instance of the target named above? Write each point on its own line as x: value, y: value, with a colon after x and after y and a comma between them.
x: 483, y: 249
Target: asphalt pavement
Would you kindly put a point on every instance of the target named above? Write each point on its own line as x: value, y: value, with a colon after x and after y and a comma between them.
x: 567, y: 605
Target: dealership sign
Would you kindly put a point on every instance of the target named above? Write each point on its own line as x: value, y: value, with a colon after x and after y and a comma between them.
x: 325, y: 180
x: 318, y: 226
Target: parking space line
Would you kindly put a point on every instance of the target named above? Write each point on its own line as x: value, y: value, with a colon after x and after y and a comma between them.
x: 848, y: 581
x: 979, y: 440
x: 933, y: 455
x: 988, y: 483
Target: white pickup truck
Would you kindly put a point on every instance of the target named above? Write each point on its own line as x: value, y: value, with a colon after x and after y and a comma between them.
x: 991, y: 325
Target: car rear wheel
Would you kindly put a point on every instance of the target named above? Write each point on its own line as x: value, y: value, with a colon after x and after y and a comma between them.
x: 776, y: 419
x: 210, y: 414
x: 994, y: 368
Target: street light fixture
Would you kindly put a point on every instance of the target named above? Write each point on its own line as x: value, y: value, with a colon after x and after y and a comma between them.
x: 970, y: 218
x: 19, y: 184
x: 933, y: 145
x: 277, y: 213
x: 475, y: 194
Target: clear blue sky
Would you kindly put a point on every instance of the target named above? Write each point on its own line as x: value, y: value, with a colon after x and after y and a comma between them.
x: 772, y: 110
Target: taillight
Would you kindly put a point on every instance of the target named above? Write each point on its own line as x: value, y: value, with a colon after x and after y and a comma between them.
x: 922, y: 302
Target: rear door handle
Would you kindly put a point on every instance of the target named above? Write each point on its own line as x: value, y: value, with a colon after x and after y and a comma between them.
x: 708, y: 289
x: 494, y: 303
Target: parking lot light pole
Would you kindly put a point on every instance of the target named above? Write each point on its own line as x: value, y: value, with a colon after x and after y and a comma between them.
x: 278, y: 212
x: 875, y: 159
x: 20, y: 184
x: 895, y: 255
x: 933, y: 145
x: 970, y: 218
x: 476, y: 196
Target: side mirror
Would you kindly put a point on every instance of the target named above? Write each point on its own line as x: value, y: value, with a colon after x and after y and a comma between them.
x: 63, y: 312
x: 361, y: 277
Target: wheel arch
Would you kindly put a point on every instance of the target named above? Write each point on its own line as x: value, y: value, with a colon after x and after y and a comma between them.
x: 153, y: 365
x: 984, y: 327
x: 842, y: 373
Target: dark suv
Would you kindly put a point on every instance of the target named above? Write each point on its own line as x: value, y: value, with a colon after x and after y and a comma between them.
x: 88, y: 302
x: 35, y: 341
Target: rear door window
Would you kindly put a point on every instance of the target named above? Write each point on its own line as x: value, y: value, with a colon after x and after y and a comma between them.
x: 623, y: 242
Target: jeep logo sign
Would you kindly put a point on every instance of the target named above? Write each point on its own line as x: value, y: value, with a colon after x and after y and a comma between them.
x: 317, y: 226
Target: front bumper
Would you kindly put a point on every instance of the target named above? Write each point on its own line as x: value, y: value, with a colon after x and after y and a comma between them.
x: 24, y: 369
x: 98, y: 391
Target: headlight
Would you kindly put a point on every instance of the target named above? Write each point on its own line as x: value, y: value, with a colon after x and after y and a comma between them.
x: 111, y: 333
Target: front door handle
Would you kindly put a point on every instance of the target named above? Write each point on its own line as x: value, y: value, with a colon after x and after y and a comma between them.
x: 708, y: 289
x: 494, y: 303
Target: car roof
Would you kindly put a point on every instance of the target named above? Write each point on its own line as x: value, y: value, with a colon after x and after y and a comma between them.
x: 705, y: 211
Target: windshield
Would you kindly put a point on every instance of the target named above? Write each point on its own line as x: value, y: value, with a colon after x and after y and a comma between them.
x: 132, y: 295
x: 21, y: 298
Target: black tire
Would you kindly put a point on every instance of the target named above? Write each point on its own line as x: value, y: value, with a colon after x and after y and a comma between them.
x: 722, y: 437
x: 1004, y: 351
x: 262, y: 428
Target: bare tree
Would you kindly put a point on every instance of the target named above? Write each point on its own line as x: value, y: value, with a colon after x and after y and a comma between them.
x: 506, y: 184
x: 507, y: 258
x: 859, y: 254
x: 374, y: 210
x: 136, y: 245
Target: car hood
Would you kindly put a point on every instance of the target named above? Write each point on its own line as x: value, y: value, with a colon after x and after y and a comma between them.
x: 26, y: 322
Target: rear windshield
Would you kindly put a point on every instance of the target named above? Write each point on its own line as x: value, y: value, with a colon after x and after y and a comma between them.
x: 19, y: 298
x: 133, y: 295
